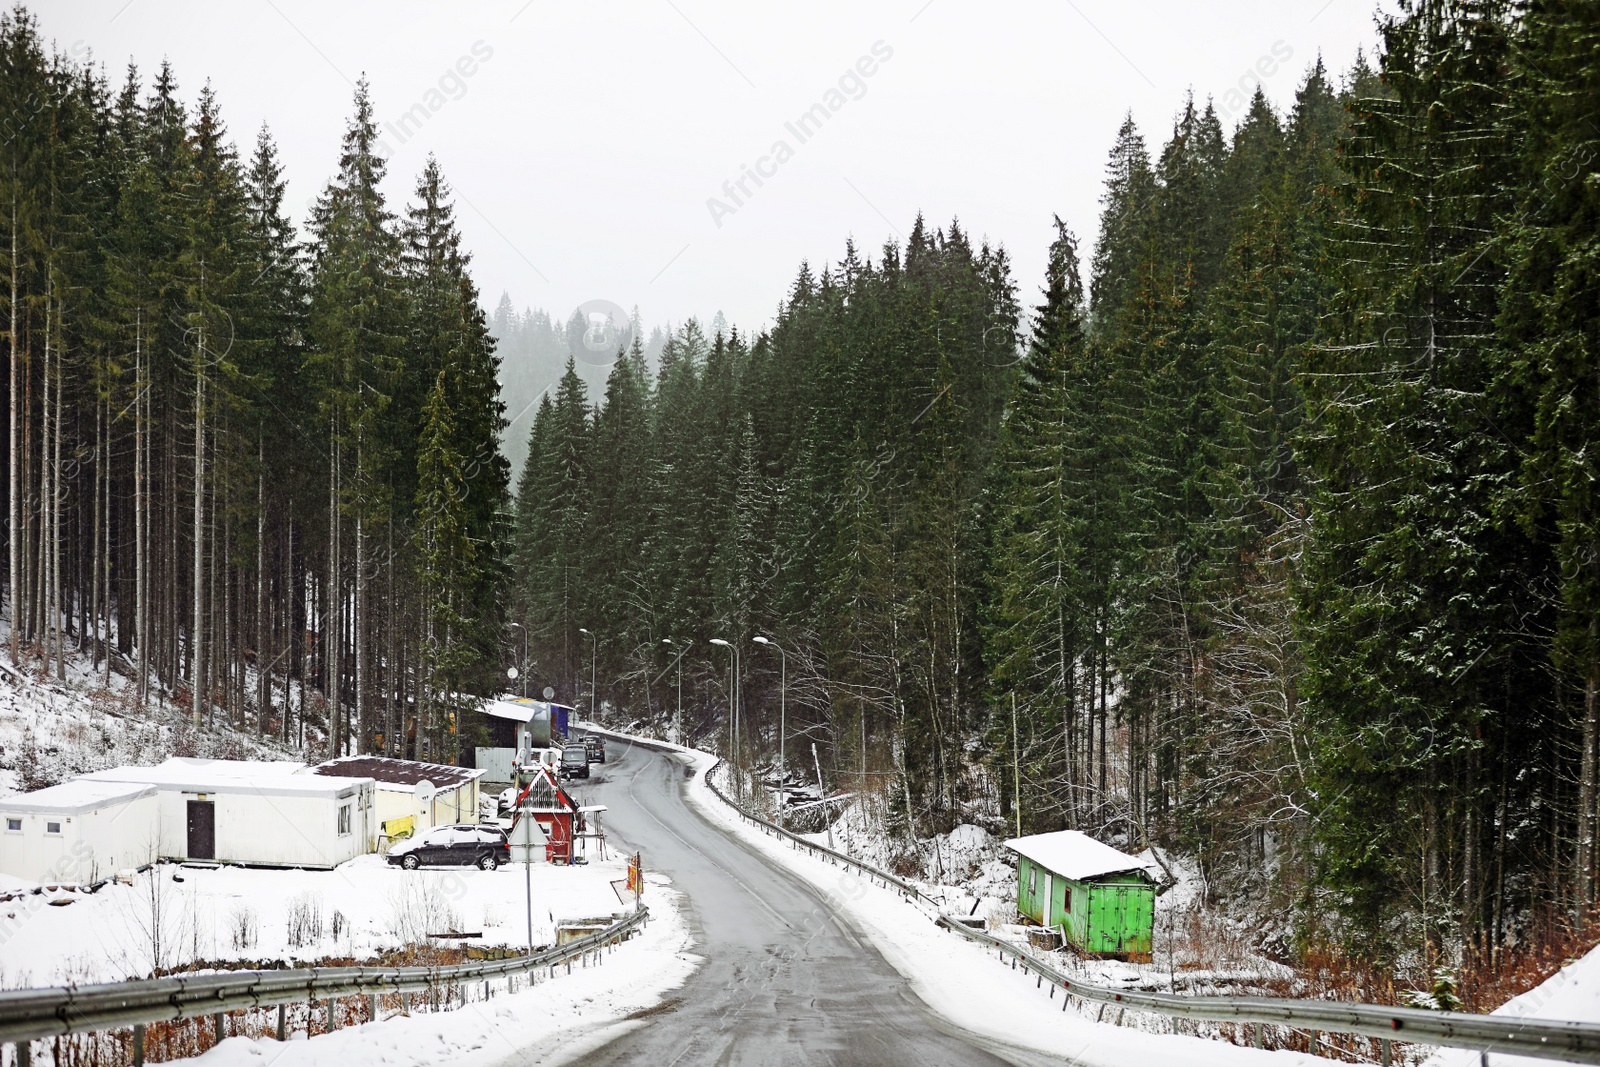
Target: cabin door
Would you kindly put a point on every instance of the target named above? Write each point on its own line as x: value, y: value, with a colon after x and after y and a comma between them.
x: 202, y: 830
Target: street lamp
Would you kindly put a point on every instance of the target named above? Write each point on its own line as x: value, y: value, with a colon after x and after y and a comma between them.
x: 783, y: 718
x: 524, y: 667
x: 733, y: 719
x: 594, y: 654
x: 677, y: 722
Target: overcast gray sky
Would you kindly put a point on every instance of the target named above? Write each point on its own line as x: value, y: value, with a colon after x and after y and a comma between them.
x: 586, y: 141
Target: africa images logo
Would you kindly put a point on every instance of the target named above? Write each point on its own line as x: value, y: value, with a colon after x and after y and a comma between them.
x: 852, y: 85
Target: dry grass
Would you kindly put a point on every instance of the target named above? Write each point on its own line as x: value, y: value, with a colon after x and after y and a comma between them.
x: 1547, y: 943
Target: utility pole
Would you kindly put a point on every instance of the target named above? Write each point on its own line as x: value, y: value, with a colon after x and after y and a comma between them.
x: 677, y: 721
x: 523, y: 666
x: 594, y: 655
x: 1016, y: 766
x: 733, y: 706
x: 783, y: 722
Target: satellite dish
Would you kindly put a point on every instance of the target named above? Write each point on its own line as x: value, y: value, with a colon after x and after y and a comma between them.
x: 549, y: 693
x: 425, y: 791
x: 512, y: 673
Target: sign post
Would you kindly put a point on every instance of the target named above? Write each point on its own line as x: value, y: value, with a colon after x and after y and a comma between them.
x: 527, y: 838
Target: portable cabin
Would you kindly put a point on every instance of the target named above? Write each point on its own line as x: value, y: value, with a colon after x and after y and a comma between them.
x: 78, y: 831
x: 1102, y: 900
x: 398, y: 809
x: 256, y: 813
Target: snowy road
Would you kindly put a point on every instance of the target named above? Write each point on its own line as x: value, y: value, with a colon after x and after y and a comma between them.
x: 786, y: 979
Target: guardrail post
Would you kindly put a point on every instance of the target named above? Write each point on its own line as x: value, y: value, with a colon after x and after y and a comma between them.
x: 282, y: 1033
x: 138, y: 1045
x: 1311, y: 1046
x: 372, y: 1007
x: 221, y: 1029
x: 1384, y: 1054
x: 24, y: 1053
x: 1255, y: 1038
x: 333, y: 1015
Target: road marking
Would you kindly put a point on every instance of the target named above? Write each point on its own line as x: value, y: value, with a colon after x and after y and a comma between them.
x: 686, y: 844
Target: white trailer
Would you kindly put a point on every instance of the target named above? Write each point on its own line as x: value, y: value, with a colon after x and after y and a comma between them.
x: 79, y: 832
x: 256, y: 813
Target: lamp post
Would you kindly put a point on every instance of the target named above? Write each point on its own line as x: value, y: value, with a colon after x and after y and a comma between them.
x: 594, y: 655
x: 523, y: 667
x: 677, y: 721
x: 783, y: 719
x: 733, y: 719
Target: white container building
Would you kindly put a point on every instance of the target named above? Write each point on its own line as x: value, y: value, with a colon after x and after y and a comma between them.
x: 79, y: 832
x: 265, y: 814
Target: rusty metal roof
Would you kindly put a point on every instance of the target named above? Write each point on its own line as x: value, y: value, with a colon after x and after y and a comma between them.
x: 390, y: 771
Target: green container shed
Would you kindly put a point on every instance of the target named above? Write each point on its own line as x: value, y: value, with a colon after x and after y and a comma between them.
x: 1103, y: 901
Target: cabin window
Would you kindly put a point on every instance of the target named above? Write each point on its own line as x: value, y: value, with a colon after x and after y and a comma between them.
x: 14, y: 826
x: 344, y: 820
x: 1066, y: 900
x: 52, y: 828
x: 1033, y: 880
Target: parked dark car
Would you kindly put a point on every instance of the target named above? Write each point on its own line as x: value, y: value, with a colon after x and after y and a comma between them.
x: 597, y: 748
x: 459, y: 845
x: 575, y: 761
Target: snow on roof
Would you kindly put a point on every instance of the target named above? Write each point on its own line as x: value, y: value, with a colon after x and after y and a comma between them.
x: 1075, y: 855
x: 517, y: 710
x: 520, y: 709
x: 75, y: 797
x: 391, y: 772
x: 191, y: 775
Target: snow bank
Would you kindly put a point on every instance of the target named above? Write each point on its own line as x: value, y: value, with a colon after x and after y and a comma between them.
x: 556, y: 1021
x: 244, y: 915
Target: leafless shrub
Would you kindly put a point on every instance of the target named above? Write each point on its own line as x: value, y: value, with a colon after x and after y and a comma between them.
x: 243, y: 927
x: 419, y: 907
x: 305, y: 920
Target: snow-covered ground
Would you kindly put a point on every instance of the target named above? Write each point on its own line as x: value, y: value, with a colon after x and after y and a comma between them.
x: 202, y: 916
x: 52, y: 730
x: 1197, y: 950
x: 178, y: 916
x: 556, y: 1021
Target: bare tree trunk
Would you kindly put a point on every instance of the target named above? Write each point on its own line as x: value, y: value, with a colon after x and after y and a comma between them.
x: 14, y: 584
x: 94, y: 560
x: 332, y: 626
x: 358, y: 629
x: 263, y: 672
x: 46, y: 495
x: 1588, y: 786
x: 294, y: 633
x: 392, y: 690
x: 141, y: 516
x: 106, y: 571
x: 196, y: 640
x: 58, y: 610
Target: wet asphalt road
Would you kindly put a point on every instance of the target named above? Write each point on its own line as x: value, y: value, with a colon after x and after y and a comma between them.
x: 786, y: 979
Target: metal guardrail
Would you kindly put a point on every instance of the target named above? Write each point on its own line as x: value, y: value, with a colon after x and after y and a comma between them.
x: 30, y: 1014
x: 1572, y: 1042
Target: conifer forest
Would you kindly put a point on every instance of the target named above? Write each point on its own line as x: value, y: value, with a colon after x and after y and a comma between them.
x: 1265, y: 527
